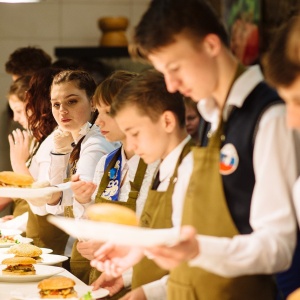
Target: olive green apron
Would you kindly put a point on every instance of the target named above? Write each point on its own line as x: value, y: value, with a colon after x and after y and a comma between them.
x: 206, y: 209
x: 80, y: 266
x: 43, y: 233
x: 20, y: 206
x: 157, y: 213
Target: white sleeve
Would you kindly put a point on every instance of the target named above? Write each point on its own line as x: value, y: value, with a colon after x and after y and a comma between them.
x: 269, y: 248
x: 156, y: 290
x: 79, y: 208
x: 184, y: 174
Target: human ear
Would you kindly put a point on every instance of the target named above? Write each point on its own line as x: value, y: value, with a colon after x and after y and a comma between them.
x: 169, y: 121
x: 212, y: 44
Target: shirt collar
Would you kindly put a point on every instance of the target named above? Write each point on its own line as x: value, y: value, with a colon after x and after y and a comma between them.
x: 241, y: 88
x: 131, y: 163
x: 167, y: 166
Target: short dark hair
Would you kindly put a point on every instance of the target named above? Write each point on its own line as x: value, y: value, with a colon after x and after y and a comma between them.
x: 108, y: 89
x: 166, y: 18
x: 27, y: 60
x: 280, y: 66
x: 149, y: 94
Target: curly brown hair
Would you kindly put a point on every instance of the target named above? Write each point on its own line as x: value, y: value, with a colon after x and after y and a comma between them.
x: 27, y: 60
x: 38, y: 109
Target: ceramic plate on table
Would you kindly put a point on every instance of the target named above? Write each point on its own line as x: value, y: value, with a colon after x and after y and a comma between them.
x: 10, y: 237
x: 51, y: 259
x: 27, y: 193
x: 81, y: 291
x: 115, y: 233
x: 42, y: 272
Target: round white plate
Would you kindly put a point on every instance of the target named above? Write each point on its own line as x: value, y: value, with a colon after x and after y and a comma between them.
x: 18, y: 239
x: 42, y: 272
x: 118, y: 234
x: 19, y: 295
x: 47, y: 250
x: 52, y: 259
x: 10, y: 232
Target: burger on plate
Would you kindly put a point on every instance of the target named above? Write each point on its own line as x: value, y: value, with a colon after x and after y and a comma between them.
x: 26, y: 250
x: 19, y: 266
x: 12, y: 179
x: 57, y: 287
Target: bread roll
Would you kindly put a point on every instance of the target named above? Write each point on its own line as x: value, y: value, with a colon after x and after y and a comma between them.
x: 12, y: 261
x: 14, y: 179
x: 27, y: 250
x: 55, y: 283
x: 57, y: 287
x: 294, y: 295
x: 112, y: 213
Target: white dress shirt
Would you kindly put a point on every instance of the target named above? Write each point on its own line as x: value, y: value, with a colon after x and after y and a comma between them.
x: 93, y: 147
x: 269, y: 248
x: 157, y: 290
x: 128, y: 171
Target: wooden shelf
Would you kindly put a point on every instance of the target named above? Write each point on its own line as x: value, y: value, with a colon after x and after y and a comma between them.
x: 91, y: 52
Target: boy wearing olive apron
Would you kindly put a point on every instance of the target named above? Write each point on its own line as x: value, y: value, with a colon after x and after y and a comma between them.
x: 238, y: 198
x: 154, y: 123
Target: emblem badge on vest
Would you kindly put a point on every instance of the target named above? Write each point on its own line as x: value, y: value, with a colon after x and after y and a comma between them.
x: 229, y: 159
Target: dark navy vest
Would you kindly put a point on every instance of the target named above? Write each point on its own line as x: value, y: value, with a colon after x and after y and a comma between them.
x: 240, y: 130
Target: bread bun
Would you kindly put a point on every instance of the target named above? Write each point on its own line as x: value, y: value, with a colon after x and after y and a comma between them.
x: 294, y: 295
x: 27, y: 250
x: 55, y: 283
x: 18, y: 261
x: 15, y: 179
x: 112, y: 213
x: 20, y: 273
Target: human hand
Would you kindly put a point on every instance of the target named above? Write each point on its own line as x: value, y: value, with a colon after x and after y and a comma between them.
x: 113, y: 285
x: 82, y: 190
x: 19, y: 143
x: 115, y: 259
x: 170, y: 257
x: 7, y: 218
x: 136, y: 294
x: 62, y: 141
x: 87, y: 249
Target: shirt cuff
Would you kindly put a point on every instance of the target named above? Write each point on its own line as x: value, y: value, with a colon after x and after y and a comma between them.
x: 54, y: 209
x: 127, y: 277
x: 79, y: 208
x: 156, y: 290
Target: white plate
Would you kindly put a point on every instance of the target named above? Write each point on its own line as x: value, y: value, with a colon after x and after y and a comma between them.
x: 118, y: 234
x: 18, y: 239
x: 100, y: 293
x: 10, y: 232
x: 52, y: 259
x: 42, y: 272
x: 26, y: 193
x: 45, y: 251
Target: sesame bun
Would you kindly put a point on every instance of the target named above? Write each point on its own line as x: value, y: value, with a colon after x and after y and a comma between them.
x: 18, y: 261
x: 112, y: 213
x: 55, y: 283
x: 15, y: 179
x: 27, y: 250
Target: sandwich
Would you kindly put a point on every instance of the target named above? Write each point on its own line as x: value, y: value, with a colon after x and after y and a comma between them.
x: 6, y: 238
x: 112, y: 213
x: 59, y: 287
x: 26, y: 250
x: 19, y: 266
x: 12, y: 179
